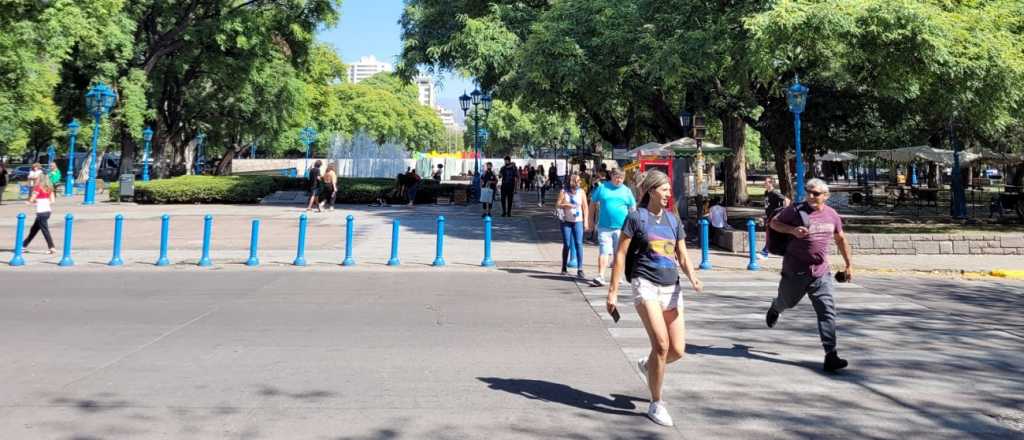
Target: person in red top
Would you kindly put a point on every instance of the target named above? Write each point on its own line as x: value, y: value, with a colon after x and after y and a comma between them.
x: 805, y: 268
x: 42, y: 196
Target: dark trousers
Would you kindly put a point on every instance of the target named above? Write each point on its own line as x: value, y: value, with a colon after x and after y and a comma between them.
x: 572, y: 235
x: 40, y: 224
x: 507, y: 192
x: 2, y: 189
x: 792, y: 289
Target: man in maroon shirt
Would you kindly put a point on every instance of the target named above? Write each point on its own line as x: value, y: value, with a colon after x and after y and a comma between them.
x: 805, y: 269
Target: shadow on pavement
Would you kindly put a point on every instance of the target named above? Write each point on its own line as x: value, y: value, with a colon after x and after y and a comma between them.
x: 566, y: 395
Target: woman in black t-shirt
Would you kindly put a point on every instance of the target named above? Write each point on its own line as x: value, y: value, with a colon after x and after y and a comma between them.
x: 659, y: 252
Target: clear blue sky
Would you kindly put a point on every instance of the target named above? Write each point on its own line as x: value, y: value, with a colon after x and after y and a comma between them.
x: 369, y: 27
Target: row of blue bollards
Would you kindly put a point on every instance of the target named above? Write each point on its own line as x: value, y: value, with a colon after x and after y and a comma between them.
x: 705, y: 256
x: 253, y: 260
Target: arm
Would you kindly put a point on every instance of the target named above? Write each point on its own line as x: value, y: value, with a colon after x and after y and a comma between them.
x: 687, y: 265
x: 586, y: 215
x: 617, y: 270
x: 844, y: 250
x: 796, y: 231
x: 597, y: 210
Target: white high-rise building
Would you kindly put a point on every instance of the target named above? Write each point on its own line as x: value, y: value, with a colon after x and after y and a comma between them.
x: 365, y: 68
x: 447, y: 117
x: 427, y: 95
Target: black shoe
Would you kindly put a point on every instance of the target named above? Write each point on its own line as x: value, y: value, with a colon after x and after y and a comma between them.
x: 771, y: 317
x: 580, y: 275
x: 564, y: 273
x: 833, y: 362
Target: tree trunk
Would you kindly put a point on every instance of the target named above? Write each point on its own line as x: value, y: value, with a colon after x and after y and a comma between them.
x: 128, y: 149
x: 735, y: 138
x: 224, y: 165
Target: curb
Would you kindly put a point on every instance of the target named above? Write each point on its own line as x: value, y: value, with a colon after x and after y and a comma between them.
x: 1013, y: 274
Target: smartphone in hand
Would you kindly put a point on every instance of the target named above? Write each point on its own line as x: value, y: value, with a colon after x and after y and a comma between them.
x: 615, y: 314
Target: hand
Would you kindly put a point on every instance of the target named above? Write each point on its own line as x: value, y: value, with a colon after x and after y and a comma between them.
x: 696, y: 284
x: 801, y: 232
x: 612, y: 299
x: 849, y: 273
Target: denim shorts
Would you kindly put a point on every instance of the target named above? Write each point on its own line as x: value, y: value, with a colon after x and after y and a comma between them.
x: 670, y: 297
x: 608, y: 240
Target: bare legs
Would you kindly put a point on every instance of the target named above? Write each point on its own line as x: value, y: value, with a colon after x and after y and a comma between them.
x: 667, y: 333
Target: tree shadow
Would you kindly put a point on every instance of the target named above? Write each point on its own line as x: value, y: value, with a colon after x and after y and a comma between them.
x: 546, y: 391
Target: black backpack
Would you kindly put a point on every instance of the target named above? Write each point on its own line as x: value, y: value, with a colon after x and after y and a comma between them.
x: 638, y: 245
x: 779, y: 241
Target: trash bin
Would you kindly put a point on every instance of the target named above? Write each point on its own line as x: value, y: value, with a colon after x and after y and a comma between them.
x: 126, y: 187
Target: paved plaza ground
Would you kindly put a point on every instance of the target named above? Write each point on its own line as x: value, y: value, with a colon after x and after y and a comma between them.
x: 377, y: 352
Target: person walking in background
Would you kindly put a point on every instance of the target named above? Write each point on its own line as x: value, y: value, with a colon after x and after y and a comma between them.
x: 774, y: 201
x: 42, y: 196
x: 541, y: 183
x: 650, y: 254
x: 805, y: 268
x: 314, y: 186
x: 531, y: 177
x: 438, y: 173
x: 553, y: 177
x: 488, y: 184
x: 34, y: 174
x: 413, y: 180
x: 611, y: 202
x: 54, y: 175
x: 509, y: 175
x: 330, y: 187
x: 3, y: 181
x: 572, y: 209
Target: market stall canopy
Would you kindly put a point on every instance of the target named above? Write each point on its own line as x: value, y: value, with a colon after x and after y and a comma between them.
x: 837, y: 157
x: 688, y: 147
x: 649, y: 149
x: 988, y: 154
x: 925, y: 153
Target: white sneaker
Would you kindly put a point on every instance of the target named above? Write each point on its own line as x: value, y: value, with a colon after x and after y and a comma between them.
x: 599, y: 280
x: 659, y: 414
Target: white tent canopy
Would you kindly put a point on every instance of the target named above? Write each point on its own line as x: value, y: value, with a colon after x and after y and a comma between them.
x: 650, y: 148
x: 837, y: 157
x: 689, y: 143
x: 925, y: 153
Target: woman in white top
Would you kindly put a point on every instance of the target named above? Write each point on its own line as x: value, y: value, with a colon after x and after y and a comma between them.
x: 572, y: 202
x: 42, y: 196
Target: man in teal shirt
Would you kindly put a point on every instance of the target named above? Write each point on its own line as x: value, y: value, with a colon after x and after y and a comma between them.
x: 611, y: 202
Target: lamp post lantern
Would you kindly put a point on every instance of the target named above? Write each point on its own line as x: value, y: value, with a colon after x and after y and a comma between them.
x: 147, y: 137
x: 308, y: 136
x: 99, y: 100
x: 796, y: 97
x: 197, y: 166
x: 476, y: 98
x: 69, y: 182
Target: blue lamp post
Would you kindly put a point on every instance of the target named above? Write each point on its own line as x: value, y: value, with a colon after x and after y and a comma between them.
x: 308, y: 136
x: 197, y: 167
x: 99, y: 100
x: 476, y: 99
x: 147, y: 137
x: 796, y: 97
x: 69, y: 185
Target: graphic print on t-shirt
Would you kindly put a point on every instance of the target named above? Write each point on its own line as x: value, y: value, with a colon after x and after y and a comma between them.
x: 662, y: 244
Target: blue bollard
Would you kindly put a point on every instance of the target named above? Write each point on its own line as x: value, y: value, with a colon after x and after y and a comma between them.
x: 300, y: 253
x: 116, y: 259
x: 394, y: 244
x: 19, y: 236
x: 752, y: 239
x: 165, y: 222
x: 488, y: 261
x: 65, y: 260
x: 254, y: 244
x: 705, y: 259
x: 439, y: 259
x: 204, y: 261
x: 349, y: 230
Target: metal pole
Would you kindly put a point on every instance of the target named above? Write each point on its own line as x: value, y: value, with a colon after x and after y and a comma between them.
x: 165, y: 222
x: 254, y: 244
x: 393, y: 261
x: 116, y: 259
x: 204, y: 260
x: 90, y: 185
x: 19, y: 236
x: 752, y: 239
x: 300, y: 254
x: 306, y: 175
x: 349, y: 261
x: 65, y: 260
x: 488, y: 261
x: 705, y: 258
x: 145, y: 162
x: 799, y: 161
x: 439, y: 259
x: 69, y: 185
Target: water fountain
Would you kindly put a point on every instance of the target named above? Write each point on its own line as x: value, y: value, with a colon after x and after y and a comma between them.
x: 361, y: 156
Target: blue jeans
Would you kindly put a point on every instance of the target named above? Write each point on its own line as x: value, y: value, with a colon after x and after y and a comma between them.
x: 572, y: 235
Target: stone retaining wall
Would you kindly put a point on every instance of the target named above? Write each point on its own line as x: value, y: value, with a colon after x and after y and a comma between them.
x: 902, y: 244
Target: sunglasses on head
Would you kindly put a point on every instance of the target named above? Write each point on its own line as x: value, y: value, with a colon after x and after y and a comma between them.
x: 814, y: 193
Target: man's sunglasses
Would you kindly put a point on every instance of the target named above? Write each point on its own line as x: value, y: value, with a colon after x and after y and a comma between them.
x: 815, y: 193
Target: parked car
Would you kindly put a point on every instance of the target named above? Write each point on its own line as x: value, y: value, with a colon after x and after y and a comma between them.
x: 20, y: 173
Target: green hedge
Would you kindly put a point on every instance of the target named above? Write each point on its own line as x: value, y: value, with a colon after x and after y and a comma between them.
x: 250, y: 189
